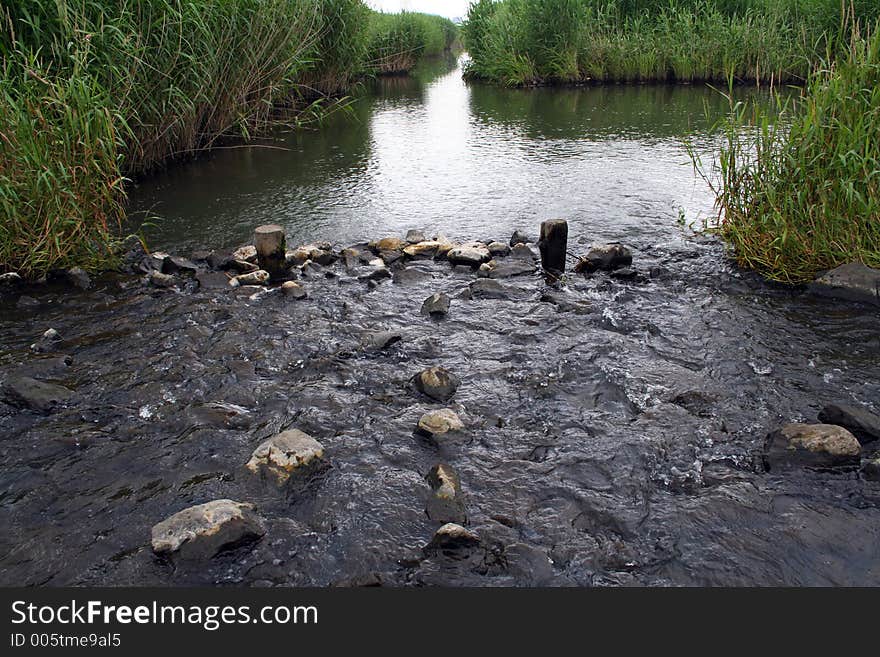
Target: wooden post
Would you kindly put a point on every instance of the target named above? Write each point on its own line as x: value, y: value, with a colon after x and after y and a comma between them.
x: 553, y: 244
x: 271, y: 250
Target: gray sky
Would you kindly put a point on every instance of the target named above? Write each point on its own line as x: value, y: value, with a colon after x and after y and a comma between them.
x: 448, y: 8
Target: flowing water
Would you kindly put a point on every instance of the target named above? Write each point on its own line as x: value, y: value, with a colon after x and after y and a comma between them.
x: 614, y: 428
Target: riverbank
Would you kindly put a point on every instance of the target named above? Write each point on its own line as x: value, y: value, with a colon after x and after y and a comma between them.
x: 97, y: 93
x: 529, y: 42
x: 614, y: 430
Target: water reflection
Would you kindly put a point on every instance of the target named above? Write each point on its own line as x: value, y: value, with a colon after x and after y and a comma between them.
x: 470, y: 161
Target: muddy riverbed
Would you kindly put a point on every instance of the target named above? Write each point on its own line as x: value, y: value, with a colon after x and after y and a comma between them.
x: 614, y: 426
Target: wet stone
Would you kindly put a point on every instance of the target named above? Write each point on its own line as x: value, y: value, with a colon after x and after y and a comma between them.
x: 605, y: 257
x: 294, y: 290
x: 498, y: 249
x: 247, y: 253
x: 445, y: 502
x: 439, y: 422
x: 283, y: 454
x: 25, y: 392
x: 436, y: 305
x: 158, y: 279
x: 415, y: 236
x: 242, y: 266
x: 10, y: 279
x: 811, y: 445
x: 259, y: 277
x: 26, y: 302
x: 47, y: 342
x: 177, y: 265
x: 452, y: 537
x: 506, y: 268
x: 78, y: 277
x: 424, y: 249
x: 212, y: 280
x: 864, y: 424
x: 387, y: 244
x: 852, y: 282
x: 379, y: 340
x: 472, y: 254
x: 437, y: 383
x: 201, y: 531
x: 519, y: 237
x: 523, y: 252
x: 485, y: 288
x: 871, y: 468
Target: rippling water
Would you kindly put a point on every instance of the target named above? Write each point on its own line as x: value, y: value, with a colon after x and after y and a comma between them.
x: 613, y: 437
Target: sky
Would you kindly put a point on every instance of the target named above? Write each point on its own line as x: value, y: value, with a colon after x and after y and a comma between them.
x: 448, y: 8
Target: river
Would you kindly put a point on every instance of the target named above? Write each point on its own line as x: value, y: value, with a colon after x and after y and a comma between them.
x: 614, y: 428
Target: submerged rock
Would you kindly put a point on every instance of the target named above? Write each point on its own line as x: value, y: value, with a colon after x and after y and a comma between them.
x: 811, y: 445
x: 284, y: 453
x: 519, y: 237
x: 445, y: 502
x: 860, y: 421
x: 177, y: 265
x: 485, y: 288
x: 439, y: 422
x: 871, y: 468
x: 26, y: 302
x: 506, y: 268
x: 47, y: 341
x: 437, y: 383
x: 436, y: 305
x: 451, y: 537
x: 25, y: 392
x: 472, y: 254
x: 381, y: 339
x: 604, y: 257
x: 294, y: 290
x: 10, y: 279
x: 523, y: 252
x: 852, y: 282
x: 201, y: 531
x: 78, y: 277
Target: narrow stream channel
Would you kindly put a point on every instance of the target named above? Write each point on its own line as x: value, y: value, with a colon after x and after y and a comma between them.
x: 614, y: 428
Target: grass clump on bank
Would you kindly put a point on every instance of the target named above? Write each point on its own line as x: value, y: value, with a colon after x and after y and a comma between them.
x: 94, y: 91
x: 801, y: 194
x: 524, y: 42
x: 396, y: 42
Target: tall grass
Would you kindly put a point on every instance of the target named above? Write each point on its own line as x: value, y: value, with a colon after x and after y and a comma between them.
x: 94, y: 91
x: 802, y: 194
x: 397, y: 41
x: 524, y: 42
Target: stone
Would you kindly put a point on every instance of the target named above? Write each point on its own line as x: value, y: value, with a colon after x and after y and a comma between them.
x: 519, y: 237
x: 439, y: 422
x: 26, y: 303
x: 378, y: 271
x: 159, y: 279
x: 202, y: 531
x: 451, y: 537
x: 437, y: 383
x: 247, y: 253
x: 294, y: 290
x: 314, y: 252
x: 220, y: 260
x: 177, y: 265
x: 852, y: 282
x: 389, y: 257
x: 259, y: 277
x: 424, y: 249
x: 506, y: 268
x: 524, y: 252
x: 864, y: 424
x: 387, y: 244
x: 472, y: 254
x: 381, y: 339
x: 604, y: 257
x: 415, y: 236
x: 445, y: 502
x: 284, y: 453
x: 78, y: 277
x: 498, y: 249
x: 436, y: 305
x: 565, y: 302
x: 871, y: 468
x: 212, y: 280
x: 811, y: 445
x: 10, y: 278
x: 485, y: 288
x: 25, y: 392
x: 242, y: 266
x: 47, y: 341
x: 625, y: 274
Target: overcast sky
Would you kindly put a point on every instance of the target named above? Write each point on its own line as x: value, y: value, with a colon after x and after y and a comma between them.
x: 448, y: 8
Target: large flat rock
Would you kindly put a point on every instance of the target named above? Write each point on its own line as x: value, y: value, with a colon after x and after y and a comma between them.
x: 853, y: 282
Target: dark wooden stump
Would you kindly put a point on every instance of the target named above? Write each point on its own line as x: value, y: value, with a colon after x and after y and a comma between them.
x: 271, y: 250
x: 553, y: 244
